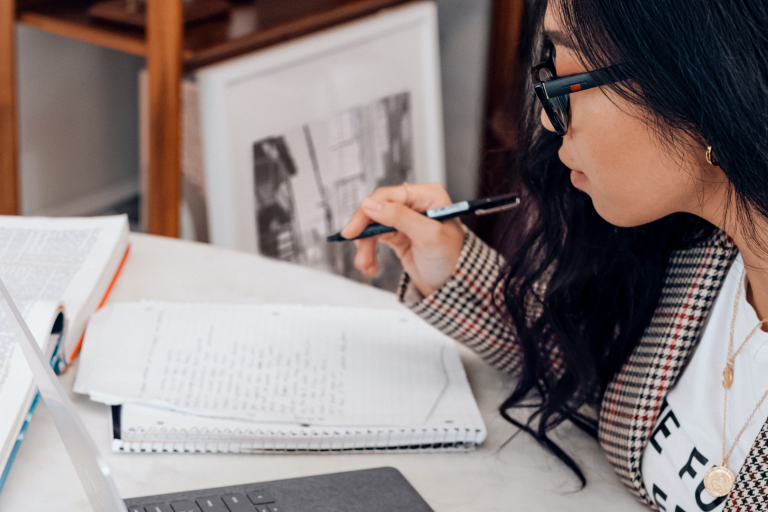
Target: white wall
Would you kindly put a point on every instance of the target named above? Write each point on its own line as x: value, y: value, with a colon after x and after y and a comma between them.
x: 78, y: 124
x: 464, y: 42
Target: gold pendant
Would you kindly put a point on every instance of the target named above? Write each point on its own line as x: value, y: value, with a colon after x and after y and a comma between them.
x: 719, y: 481
x: 728, y: 376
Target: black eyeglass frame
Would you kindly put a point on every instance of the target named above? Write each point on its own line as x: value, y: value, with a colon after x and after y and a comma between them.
x: 554, y: 93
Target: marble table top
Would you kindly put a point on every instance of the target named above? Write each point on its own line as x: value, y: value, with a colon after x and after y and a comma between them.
x: 509, y: 471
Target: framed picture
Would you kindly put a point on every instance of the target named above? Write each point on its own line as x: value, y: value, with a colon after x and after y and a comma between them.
x: 296, y: 135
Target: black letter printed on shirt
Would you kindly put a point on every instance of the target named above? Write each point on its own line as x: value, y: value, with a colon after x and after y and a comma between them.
x: 706, y: 507
x: 661, y: 494
x: 663, y: 428
x: 688, y: 468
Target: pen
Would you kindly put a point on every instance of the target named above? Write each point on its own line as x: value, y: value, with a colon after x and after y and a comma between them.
x: 483, y: 206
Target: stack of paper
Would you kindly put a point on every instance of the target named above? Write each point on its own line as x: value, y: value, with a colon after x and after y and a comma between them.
x: 279, y: 370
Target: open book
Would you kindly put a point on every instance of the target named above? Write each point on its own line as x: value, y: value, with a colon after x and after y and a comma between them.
x: 58, y: 271
x: 247, y: 378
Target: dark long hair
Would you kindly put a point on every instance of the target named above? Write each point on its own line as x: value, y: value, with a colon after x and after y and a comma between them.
x: 700, y: 73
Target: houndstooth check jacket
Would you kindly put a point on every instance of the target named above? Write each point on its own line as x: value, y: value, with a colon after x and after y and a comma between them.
x: 465, y: 309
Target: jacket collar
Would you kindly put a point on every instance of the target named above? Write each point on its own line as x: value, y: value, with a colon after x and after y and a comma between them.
x: 634, y: 397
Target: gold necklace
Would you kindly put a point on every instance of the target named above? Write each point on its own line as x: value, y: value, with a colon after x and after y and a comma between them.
x: 719, y: 480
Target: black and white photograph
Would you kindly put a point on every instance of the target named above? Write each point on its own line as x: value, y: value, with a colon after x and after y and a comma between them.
x: 294, y: 136
x: 309, y: 180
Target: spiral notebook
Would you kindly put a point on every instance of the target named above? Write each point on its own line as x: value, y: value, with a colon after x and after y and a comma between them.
x: 262, y: 378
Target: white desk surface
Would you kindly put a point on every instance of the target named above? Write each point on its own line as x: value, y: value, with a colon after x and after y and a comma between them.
x: 518, y: 475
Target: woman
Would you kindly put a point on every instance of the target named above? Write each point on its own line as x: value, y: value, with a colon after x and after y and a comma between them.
x: 637, y: 274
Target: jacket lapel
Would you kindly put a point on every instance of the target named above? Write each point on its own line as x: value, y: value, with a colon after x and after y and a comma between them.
x: 633, y: 398
x: 749, y: 493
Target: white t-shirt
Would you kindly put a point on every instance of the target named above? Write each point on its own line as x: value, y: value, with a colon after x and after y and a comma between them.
x: 688, y: 435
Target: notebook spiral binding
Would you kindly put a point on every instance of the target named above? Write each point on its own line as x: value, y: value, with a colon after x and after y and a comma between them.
x: 300, y: 440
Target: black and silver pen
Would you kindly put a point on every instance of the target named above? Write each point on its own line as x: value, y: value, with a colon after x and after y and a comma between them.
x: 483, y: 206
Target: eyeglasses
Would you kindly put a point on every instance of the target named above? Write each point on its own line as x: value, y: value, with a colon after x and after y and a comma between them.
x: 554, y: 93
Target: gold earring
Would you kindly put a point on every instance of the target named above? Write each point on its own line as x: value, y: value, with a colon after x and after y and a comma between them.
x: 711, y: 158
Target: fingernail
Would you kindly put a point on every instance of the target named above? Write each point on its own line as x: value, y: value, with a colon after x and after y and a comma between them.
x: 370, y: 204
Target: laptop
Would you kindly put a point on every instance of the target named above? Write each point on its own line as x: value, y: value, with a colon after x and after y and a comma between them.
x: 371, y: 490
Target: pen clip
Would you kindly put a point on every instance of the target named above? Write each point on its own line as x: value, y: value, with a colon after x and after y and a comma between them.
x: 488, y: 211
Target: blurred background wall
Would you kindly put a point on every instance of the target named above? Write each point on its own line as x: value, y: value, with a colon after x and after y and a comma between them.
x: 78, y: 124
x: 464, y: 42
x: 78, y: 114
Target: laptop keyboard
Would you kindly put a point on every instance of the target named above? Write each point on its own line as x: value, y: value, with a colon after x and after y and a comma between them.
x: 252, y: 501
x: 366, y: 490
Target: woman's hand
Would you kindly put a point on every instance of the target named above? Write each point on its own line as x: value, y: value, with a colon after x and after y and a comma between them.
x: 428, y: 249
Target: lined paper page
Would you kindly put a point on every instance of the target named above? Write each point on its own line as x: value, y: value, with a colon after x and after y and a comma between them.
x: 277, y: 363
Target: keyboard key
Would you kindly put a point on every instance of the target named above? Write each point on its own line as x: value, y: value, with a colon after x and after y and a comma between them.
x: 160, y: 507
x: 260, y: 497
x: 262, y: 508
x: 211, y: 505
x: 184, y: 506
x: 237, y: 503
x: 276, y: 508
x: 135, y: 509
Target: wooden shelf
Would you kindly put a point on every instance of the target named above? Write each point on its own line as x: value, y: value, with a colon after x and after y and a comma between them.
x: 170, y: 49
x: 70, y: 19
x: 250, y: 25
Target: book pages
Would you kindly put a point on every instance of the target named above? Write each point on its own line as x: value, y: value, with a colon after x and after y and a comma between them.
x: 16, y: 384
x: 71, y: 260
x: 48, y: 265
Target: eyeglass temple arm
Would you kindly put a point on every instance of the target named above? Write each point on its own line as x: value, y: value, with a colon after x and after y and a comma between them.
x: 576, y: 83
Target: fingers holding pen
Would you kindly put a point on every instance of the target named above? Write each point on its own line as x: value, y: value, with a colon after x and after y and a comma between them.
x: 404, y: 219
x: 365, y: 259
x: 400, y: 207
x: 420, y: 198
x: 397, y: 215
x: 357, y: 223
x: 398, y: 242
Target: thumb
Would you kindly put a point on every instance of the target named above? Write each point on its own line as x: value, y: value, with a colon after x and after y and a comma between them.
x: 411, y: 223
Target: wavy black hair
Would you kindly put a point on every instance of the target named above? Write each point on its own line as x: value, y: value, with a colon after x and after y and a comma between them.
x: 699, y: 73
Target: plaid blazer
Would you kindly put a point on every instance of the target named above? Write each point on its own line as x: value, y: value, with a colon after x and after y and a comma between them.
x: 464, y: 308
